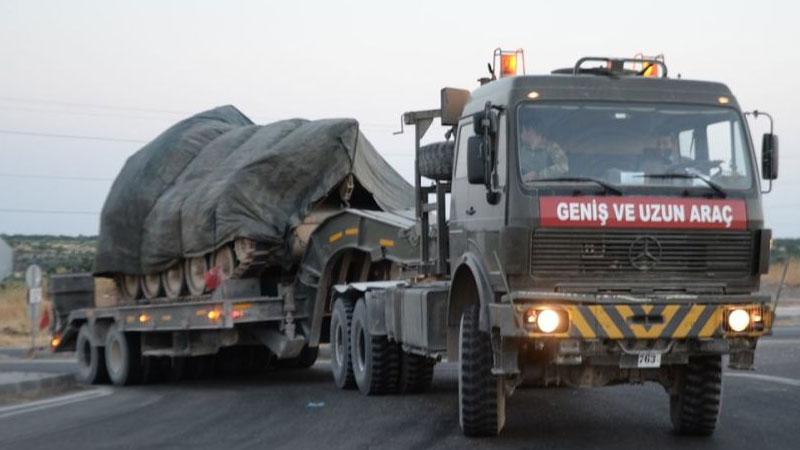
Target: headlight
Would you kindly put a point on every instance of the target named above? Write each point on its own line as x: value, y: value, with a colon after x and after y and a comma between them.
x: 546, y: 320
x: 738, y: 320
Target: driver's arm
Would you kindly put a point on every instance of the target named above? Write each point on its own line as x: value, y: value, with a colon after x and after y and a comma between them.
x: 560, y: 163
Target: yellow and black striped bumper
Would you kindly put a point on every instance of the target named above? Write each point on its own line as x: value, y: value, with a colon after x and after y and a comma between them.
x: 645, y: 321
x: 638, y: 321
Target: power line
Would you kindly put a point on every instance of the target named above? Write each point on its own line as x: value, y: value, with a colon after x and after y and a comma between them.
x: 48, y: 211
x: 72, y: 136
x: 53, y: 177
x: 93, y: 105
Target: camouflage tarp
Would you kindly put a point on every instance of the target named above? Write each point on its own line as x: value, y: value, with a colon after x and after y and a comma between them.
x: 216, y: 176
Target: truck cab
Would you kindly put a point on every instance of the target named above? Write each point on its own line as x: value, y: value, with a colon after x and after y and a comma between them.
x: 605, y: 227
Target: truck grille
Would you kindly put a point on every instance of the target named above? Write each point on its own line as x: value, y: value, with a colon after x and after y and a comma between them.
x: 641, y: 254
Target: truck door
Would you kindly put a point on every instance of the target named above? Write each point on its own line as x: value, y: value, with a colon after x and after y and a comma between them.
x: 473, y: 220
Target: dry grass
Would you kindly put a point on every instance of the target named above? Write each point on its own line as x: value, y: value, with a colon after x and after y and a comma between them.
x: 15, y: 326
x: 776, y: 272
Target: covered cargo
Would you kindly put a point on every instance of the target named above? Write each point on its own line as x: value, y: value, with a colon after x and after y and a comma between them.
x: 216, y: 177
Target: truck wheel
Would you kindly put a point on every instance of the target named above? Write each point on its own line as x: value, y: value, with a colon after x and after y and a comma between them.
x: 416, y: 373
x: 376, y: 360
x: 481, y: 397
x: 123, y: 357
x: 91, y: 360
x: 436, y: 160
x: 694, y: 407
x: 340, y: 344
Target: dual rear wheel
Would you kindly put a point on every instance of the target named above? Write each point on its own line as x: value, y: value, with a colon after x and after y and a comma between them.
x: 372, y: 363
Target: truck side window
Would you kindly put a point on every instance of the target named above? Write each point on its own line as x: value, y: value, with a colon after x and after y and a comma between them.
x: 465, y: 131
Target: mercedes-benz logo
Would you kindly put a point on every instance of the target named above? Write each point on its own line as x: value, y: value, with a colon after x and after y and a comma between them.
x: 645, y: 252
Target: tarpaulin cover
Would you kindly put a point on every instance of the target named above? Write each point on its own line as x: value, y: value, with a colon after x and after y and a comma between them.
x: 216, y: 176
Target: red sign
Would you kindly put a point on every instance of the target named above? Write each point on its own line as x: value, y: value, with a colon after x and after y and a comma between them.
x: 642, y: 212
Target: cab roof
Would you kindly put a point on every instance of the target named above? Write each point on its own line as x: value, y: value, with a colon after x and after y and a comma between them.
x: 506, y: 91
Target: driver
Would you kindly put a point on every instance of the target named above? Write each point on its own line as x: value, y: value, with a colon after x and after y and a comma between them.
x: 539, y: 157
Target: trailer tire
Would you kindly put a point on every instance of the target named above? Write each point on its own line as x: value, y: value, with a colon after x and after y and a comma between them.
x: 341, y: 366
x: 694, y: 407
x: 481, y: 397
x: 375, y: 359
x: 123, y: 357
x: 436, y: 160
x: 416, y: 373
x: 90, y: 358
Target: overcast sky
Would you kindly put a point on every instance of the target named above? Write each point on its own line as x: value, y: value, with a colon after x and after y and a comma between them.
x: 127, y: 70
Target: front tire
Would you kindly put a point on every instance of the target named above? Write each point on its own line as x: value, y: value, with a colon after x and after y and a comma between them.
x: 695, y: 404
x: 481, y: 397
x: 123, y: 357
x: 91, y: 358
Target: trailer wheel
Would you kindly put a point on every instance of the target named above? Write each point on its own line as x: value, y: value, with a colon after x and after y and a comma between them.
x: 481, y: 397
x: 694, y: 407
x: 376, y: 360
x: 436, y: 160
x: 123, y: 357
x: 340, y: 344
x: 416, y: 373
x: 91, y: 359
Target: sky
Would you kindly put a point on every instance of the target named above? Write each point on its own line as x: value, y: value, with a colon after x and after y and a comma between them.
x: 84, y: 84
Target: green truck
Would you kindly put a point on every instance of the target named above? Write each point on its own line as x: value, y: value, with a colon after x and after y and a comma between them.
x: 605, y: 226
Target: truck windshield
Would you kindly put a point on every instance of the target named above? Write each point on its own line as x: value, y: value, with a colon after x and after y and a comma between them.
x: 634, y: 145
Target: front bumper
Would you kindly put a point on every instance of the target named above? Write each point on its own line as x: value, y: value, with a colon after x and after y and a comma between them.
x: 628, y: 317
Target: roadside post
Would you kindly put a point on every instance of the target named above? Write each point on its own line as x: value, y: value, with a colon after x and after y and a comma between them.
x: 33, y: 281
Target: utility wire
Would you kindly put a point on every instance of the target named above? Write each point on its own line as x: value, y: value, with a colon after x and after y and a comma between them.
x: 52, y: 177
x: 71, y: 136
x: 48, y: 211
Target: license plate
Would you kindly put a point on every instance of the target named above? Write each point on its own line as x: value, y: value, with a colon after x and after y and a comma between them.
x: 649, y: 360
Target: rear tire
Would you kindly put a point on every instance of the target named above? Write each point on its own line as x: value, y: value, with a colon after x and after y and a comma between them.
x: 481, y: 397
x: 341, y: 366
x: 694, y: 407
x: 90, y: 358
x: 123, y: 357
x: 376, y: 360
x: 416, y: 373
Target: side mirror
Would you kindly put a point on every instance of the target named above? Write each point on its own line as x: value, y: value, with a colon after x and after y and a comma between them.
x: 476, y: 160
x: 453, y: 102
x: 485, y: 122
x: 769, y: 156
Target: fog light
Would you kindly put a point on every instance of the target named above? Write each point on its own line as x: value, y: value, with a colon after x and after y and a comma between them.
x: 547, y: 321
x: 738, y: 320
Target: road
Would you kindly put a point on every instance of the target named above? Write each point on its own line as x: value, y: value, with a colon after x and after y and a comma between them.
x: 302, y: 409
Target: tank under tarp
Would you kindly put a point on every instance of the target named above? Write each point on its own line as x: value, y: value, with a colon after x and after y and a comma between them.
x: 216, y: 177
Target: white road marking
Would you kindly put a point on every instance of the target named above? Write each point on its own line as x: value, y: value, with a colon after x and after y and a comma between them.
x: 36, y: 361
x: 38, y: 405
x: 761, y: 377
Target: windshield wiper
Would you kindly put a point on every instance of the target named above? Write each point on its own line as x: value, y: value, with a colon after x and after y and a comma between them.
x: 689, y: 176
x: 609, y: 188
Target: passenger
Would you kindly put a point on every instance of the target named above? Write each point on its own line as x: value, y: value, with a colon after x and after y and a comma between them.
x: 539, y: 157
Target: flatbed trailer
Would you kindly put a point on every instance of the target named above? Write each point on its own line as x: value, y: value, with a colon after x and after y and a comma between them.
x: 532, y: 279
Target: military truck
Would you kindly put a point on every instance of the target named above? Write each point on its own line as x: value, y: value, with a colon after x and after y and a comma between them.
x: 605, y: 226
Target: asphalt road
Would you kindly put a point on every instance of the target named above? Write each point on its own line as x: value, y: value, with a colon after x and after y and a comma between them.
x: 303, y: 409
